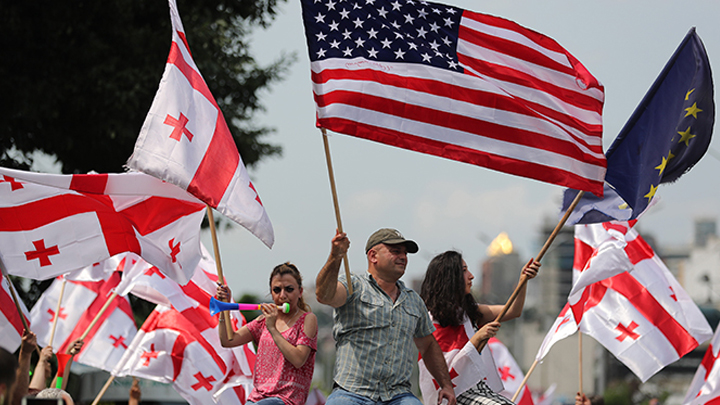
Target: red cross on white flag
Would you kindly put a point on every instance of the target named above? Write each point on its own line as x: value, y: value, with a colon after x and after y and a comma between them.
x: 510, y: 372
x: 643, y: 316
x: 179, y: 344
x: 85, y: 294
x: 62, y: 223
x: 186, y: 141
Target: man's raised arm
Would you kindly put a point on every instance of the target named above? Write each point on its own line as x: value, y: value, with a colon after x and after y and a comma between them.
x: 327, y: 288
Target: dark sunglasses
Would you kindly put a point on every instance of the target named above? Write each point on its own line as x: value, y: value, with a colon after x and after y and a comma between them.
x: 288, y: 289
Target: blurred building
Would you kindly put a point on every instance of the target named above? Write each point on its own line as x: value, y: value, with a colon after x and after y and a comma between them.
x: 500, y: 271
x: 700, y: 274
x: 555, y: 280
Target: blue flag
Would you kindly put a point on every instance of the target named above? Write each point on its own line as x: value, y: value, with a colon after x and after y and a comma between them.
x: 667, y: 134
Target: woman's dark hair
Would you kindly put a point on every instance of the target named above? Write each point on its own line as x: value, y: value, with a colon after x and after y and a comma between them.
x: 443, y: 291
x: 291, y: 269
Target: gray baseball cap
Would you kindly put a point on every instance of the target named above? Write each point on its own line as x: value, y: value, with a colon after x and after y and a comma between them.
x: 390, y: 237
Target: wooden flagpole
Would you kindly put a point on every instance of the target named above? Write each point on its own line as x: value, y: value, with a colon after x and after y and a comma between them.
x: 580, y: 360
x: 102, y: 391
x: 331, y: 175
x: 99, y: 314
x: 57, y: 311
x: 524, y: 381
x: 548, y: 242
x: 218, y: 265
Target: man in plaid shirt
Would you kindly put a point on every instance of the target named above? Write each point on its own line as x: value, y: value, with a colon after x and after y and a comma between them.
x: 376, y: 324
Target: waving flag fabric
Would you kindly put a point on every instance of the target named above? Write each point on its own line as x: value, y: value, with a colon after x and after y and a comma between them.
x: 180, y: 345
x: 705, y: 386
x: 149, y: 283
x: 510, y: 373
x: 186, y: 141
x: 11, y: 326
x: 86, y: 292
x: 449, y: 82
x: 606, y: 249
x: 563, y: 327
x: 465, y: 364
x: 643, y: 317
x: 667, y: 134
x: 53, y: 224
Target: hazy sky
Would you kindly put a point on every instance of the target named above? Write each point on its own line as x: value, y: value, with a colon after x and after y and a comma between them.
x: 445, y: 204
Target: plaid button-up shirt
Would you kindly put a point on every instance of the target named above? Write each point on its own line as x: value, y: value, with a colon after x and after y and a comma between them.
x: 374, y: 338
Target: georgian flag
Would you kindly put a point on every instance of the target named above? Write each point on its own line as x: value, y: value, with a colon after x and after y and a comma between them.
x: 705, y: 386
x: 86, y: 292
x: 179, y: 344
x: 612, y: 247
x: 643, y: 316
x: 146, y: 281
x: 53, y: 224
x: 510, y: 373
x: 11, y: 326
x: 186, y: 141
x: 466, y: 366
x: 563, y: 327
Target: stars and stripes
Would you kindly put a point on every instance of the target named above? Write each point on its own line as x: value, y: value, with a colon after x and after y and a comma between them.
x: 449, y: 82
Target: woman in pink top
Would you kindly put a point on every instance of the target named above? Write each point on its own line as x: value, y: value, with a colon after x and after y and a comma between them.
x: 286, y: 343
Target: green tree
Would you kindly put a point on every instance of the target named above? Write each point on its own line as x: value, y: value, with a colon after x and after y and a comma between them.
x: 79, y: 77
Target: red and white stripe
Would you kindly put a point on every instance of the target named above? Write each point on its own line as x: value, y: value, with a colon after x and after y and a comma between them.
x: 705, y: 386
x: 524, y: 105
x: 644, y: 317
x: 605, y: 249
x: 11, y: 325
x: 186, y: 141
x: 61, y: 223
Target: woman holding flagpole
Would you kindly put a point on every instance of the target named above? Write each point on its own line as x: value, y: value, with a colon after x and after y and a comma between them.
x: 462, y: 325
x: 286, y: 342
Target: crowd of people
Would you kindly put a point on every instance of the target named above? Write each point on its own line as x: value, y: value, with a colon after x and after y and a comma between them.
x: 377, y: 323
x: 15, y: 382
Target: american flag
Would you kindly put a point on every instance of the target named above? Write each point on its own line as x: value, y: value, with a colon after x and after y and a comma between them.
x: 466, y: 86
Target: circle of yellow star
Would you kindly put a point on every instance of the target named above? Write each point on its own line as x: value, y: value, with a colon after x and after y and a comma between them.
x: 686, y: 136
x: 651, y: 193
x: 693, y: 110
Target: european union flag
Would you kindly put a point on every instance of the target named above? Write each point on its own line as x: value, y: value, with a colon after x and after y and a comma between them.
x: 666, y: 135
